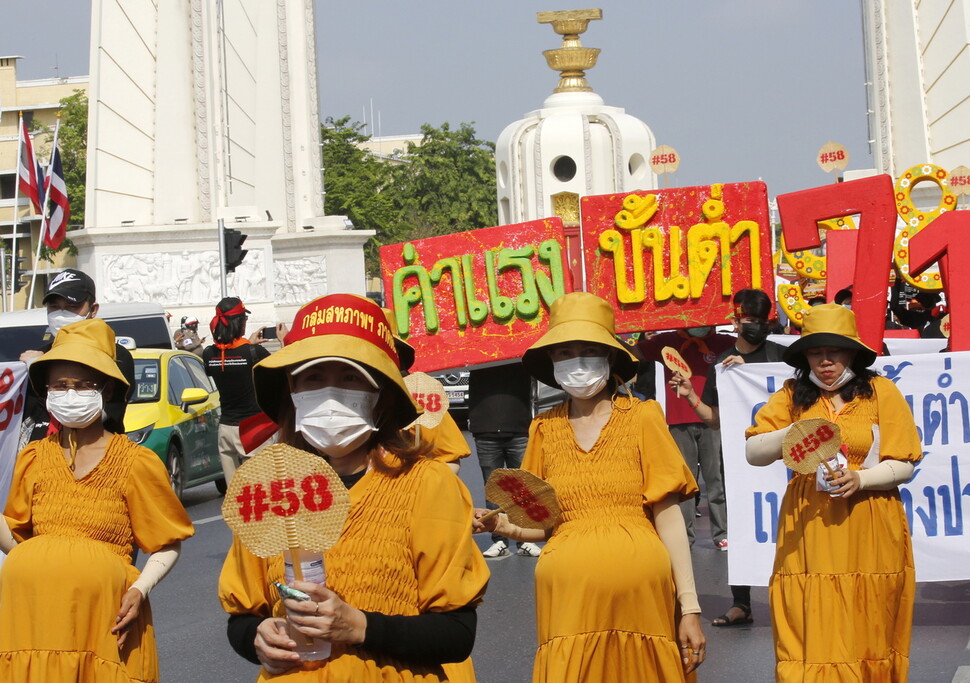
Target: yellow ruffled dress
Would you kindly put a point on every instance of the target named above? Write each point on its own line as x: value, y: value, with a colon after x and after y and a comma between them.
x: 605, y: 595
x: 61, y: 586
x: 405, y: 549
x: 844, y: 584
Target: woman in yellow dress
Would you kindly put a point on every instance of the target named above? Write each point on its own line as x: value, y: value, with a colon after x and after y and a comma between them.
x: 615, y: 597
x: 404, y: 579
x: 72, y: 605
x: 843, y: 586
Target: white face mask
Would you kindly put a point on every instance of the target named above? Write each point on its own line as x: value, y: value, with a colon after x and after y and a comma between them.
x: 73, y: 410
x: 60, y: 318
x: 334, y: 420
x: 583, y: 376
x: 846, y: 377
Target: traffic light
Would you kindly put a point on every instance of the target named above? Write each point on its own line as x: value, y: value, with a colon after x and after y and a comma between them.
x: 19, y: 277
x: 234, y: 251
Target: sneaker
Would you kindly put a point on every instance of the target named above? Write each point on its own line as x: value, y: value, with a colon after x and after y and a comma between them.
x: 497, y: 549
x: 721, y: 545
x: 528, y: 550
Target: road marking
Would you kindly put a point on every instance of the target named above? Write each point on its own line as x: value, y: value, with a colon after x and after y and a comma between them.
x: 962, y: 675
x: 217, y: 518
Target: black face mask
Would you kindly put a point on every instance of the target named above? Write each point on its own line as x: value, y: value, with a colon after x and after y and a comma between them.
x: 754, y: 333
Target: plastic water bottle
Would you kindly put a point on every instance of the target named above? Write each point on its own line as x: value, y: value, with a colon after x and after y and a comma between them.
x: 313, y: 570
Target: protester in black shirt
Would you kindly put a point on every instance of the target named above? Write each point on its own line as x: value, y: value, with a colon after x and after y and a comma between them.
x: 229, y: 361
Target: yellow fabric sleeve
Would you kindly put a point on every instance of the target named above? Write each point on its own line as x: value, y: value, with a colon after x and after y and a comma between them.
x: 447, y: 442
x: 532, y: 460
x: 450, y: 570
x: 157, y: 517
x: 18, y: 512
x: 774, y: 415
x: 243, y: 583
x: 664, y: 469
x: 898, y: 438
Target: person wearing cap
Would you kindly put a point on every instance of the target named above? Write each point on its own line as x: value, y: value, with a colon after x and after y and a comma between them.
x: 187, y: 338
x: 71, y: 296
x: 79, y: 501
x: 229, y: 361
x: 405, y: 578
x: 615, y: 596
x: 843, y: 585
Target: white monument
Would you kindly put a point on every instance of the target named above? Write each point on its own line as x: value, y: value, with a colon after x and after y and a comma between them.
x: 575, y: 145
x: 201, y: 110
x: 918, y: 68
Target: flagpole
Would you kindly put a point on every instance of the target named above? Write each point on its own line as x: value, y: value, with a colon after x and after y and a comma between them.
x: 16, y: 217
x: 43, y: 218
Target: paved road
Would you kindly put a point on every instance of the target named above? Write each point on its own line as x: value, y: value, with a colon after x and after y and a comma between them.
x: 191, y: 626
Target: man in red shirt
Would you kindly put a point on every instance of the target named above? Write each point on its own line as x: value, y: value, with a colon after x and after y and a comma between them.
x: 699, y: 444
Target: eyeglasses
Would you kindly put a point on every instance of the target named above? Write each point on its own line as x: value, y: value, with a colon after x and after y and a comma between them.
x: 85, y: 388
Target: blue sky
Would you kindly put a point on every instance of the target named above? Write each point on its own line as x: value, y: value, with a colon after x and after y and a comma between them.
x: 743, y: 89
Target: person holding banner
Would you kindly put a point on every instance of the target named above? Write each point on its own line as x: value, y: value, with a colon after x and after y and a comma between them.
x: 615, y: 597
x: 73, y: 607
x: 405, y: 577
x: 843, y: 585
x: 752, y: 309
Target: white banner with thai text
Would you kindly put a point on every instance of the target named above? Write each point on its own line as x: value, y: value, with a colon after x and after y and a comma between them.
x: 937, y: 388
x: 13, y: 388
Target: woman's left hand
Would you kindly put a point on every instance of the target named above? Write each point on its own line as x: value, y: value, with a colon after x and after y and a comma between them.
x: 326, y: 616
x: 846, y: 480
x: 130, y: 606
x: 692, y: 642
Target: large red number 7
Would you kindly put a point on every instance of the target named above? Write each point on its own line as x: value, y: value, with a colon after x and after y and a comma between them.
x: 872, y: 199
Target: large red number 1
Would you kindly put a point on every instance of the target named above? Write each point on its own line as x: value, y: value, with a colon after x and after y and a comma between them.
x: 872, y: 199
x: 945, y: 240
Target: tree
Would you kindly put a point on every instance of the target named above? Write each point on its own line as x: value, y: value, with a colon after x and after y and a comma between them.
x: 354, y: 182
x: 447, y: 184
x: 443, y: 185
x: 73, y: 138
x: 73, y: 142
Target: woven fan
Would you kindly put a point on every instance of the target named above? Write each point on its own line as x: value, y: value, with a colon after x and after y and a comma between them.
x: 810, y: 443
x: 285, y: 498
x: 674, y: 361
x: 529, y: 501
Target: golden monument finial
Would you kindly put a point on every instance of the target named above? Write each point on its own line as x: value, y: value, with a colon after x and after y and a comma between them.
x: 572, y: 60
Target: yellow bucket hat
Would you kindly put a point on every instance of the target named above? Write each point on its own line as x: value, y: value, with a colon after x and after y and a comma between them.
x: 828, y: 325
x: 88, y: 342
x: 338, y: 327
x: 579, y: 316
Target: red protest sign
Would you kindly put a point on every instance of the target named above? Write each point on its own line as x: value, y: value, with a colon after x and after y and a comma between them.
x: 674, y: 258
x: 475, y: 297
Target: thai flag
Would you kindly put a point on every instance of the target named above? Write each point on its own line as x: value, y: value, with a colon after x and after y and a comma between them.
x: 29, y: 172
x: 58, y: 210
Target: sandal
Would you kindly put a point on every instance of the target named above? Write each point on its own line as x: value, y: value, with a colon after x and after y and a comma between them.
x: 724, y: 620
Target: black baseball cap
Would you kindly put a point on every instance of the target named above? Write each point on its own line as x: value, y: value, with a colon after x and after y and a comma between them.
x: 72, y: 285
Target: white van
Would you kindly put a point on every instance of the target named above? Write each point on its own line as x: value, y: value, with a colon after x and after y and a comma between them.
x: 145, y: 323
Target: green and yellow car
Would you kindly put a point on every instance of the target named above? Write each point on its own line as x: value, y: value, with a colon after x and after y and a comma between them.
x: 174, y: 411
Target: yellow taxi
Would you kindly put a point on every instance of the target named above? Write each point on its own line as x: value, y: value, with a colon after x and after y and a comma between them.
x: 174, y: 411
